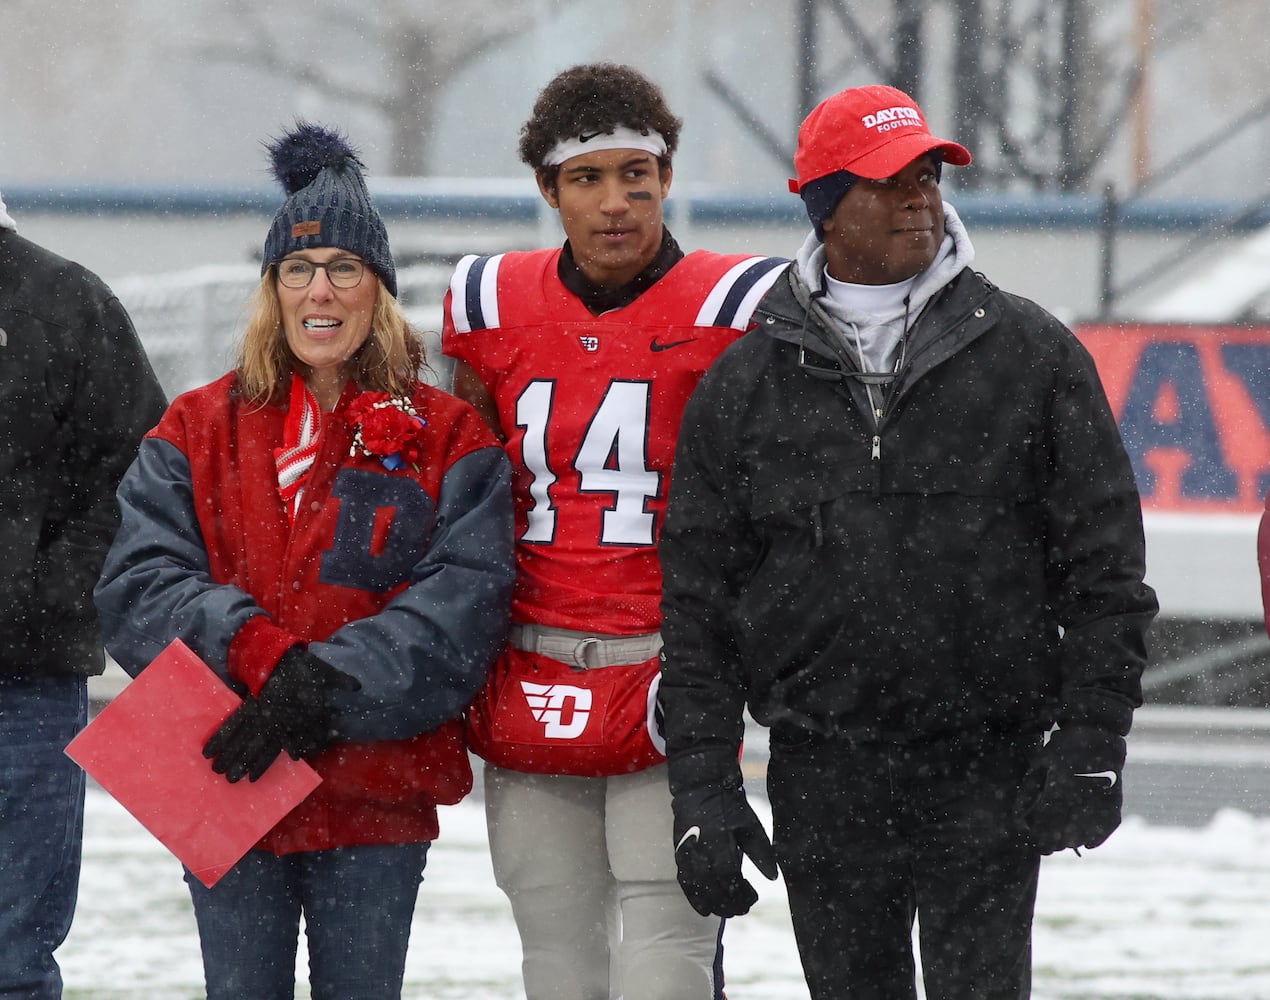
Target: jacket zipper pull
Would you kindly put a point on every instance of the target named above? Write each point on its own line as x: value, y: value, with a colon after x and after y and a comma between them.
x: 817, y: 528
x: 877, y: 446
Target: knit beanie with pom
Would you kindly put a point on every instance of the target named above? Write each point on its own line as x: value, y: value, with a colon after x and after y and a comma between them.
x: 327, y: 202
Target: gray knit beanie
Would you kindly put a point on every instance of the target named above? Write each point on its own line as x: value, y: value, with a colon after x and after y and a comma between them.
x: 327, y: 204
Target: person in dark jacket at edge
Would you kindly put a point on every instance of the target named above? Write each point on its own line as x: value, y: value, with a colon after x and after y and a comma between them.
x: 76, y: 395
x: 903, y: 530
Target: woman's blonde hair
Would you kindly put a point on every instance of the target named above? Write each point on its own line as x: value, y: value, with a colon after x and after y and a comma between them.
x: 389, y: 361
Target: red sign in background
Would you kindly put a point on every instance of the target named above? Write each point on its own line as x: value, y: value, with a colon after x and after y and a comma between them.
x: 1193, y: 405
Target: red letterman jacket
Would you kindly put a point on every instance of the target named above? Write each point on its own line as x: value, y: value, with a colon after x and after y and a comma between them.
x: 401, y: 579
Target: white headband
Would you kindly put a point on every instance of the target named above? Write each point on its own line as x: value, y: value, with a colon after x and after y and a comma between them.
x: 620, y: 138
x: 6, y: 220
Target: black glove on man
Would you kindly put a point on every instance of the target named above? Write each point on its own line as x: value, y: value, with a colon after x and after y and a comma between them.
x: 1072, y: 795
x: 291, y: 713
x: 714, y: 826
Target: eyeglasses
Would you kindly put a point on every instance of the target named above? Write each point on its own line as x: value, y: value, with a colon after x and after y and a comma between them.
x: 343, y: 272
x: 839, y: 374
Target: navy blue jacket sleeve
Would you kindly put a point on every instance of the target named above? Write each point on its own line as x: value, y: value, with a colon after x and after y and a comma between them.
x: 155, y: 584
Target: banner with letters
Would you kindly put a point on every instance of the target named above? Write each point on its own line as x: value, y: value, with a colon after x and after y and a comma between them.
x: 1193, y: 405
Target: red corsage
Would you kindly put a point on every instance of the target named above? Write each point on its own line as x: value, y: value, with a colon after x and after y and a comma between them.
x: 387, y: 428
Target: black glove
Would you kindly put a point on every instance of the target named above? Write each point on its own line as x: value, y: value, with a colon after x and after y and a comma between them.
x: 1072, y: 794
x: 714, y: 826
x: 291, y: 713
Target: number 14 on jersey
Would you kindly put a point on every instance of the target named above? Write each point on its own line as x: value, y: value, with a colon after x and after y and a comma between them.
x: 611, y: 458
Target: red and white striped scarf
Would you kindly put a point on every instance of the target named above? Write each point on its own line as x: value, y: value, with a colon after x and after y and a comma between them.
x: 299, y: 445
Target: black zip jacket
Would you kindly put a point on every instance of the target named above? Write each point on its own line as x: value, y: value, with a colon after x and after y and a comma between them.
x: 964, y: 560
x: 76, y: 395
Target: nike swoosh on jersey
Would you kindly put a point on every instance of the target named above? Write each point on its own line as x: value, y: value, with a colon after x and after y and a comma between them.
x: 693, y: 832
x: 1109, y: 775
x: 657, y: 345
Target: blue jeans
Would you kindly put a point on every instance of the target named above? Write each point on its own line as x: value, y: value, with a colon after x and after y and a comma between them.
x: 41, y: 829
x: 357, y: 902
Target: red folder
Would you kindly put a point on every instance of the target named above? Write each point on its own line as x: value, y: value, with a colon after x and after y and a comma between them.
x: 146, y: 749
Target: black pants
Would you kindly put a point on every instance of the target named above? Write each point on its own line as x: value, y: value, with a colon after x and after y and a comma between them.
x: 871, y: 836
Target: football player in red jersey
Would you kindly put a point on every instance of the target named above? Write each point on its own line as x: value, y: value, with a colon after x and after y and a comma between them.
x: 581, y: 358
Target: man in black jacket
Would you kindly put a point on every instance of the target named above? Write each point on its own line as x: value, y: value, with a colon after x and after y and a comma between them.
x: 904, y: 532
x: 76, y: 395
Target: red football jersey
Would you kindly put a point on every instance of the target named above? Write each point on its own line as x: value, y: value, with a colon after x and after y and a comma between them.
x: 591, y: 407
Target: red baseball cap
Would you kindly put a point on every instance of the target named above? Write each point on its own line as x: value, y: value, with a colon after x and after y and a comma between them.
x: 871, y: 132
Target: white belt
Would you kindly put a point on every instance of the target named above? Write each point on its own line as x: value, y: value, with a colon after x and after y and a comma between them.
x: 582, y: 650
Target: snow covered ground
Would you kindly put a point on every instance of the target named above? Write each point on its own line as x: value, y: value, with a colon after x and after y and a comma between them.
x: 1157, y: 913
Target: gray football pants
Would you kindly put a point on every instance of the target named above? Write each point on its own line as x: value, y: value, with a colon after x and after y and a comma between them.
x: 588, y: 866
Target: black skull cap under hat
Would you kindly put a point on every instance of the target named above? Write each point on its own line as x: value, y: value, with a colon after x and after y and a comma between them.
x: 327, y: 203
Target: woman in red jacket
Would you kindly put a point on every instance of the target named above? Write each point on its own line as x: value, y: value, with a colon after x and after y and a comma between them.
x: 334, y: 538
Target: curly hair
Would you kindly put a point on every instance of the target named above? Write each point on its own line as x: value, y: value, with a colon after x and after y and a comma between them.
x: 595, y: 97
x: 389, y: 361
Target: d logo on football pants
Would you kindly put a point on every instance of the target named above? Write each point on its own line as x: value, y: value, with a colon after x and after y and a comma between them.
x: 561, y: 708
